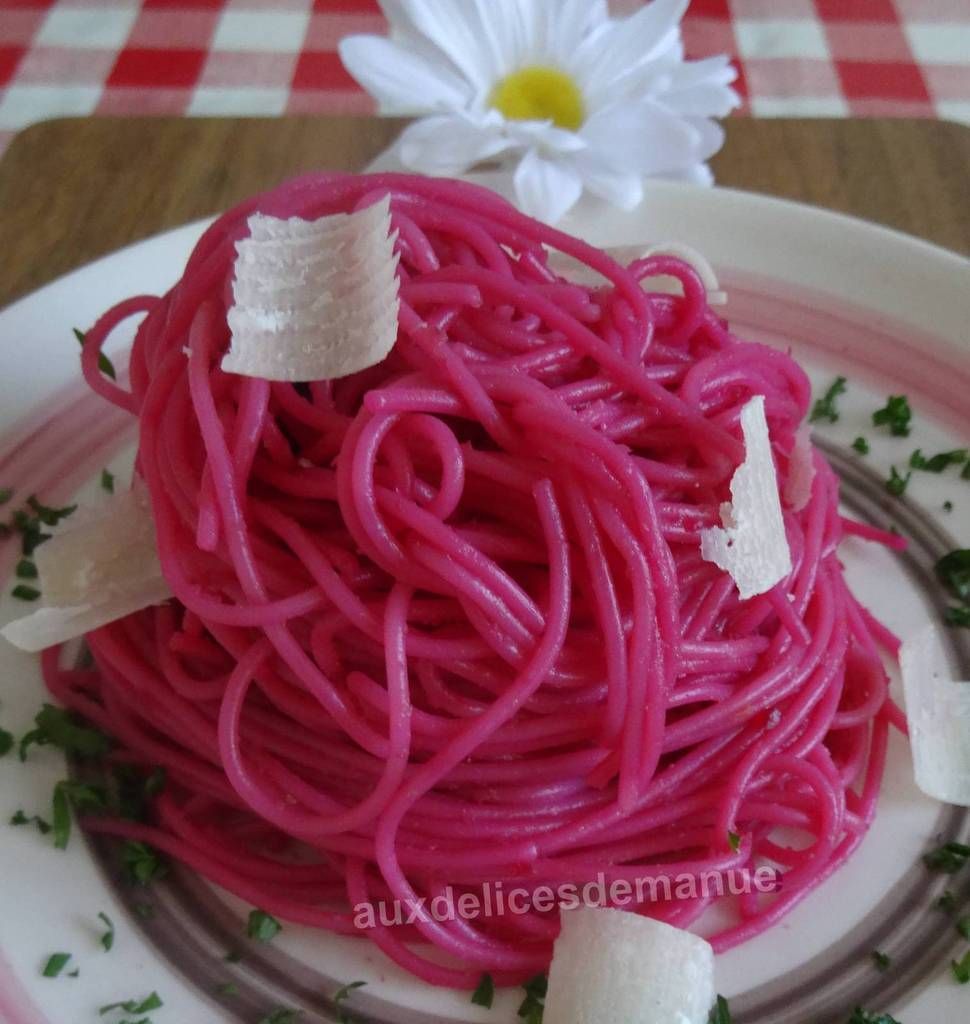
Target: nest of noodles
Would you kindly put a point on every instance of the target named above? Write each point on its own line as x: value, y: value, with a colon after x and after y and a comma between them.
x: 445, y: 623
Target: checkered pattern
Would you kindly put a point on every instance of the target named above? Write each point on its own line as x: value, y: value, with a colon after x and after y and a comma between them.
x: 906, y: 58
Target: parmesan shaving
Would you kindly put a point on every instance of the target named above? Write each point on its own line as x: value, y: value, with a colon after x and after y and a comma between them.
x: 610, y: 966
x: 801, y: 470
x: 752, y: 545
x: 102, y: 566
x: 314, y: 300
x: 938, y: 713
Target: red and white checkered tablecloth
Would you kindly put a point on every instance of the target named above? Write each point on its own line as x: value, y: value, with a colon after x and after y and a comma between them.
x: 266, y: 57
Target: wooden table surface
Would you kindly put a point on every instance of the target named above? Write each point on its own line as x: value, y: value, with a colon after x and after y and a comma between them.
x: 74, y: 189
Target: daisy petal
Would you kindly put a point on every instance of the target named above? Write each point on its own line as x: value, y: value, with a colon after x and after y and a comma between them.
x: 544, y: 135
x: 568, y: 23
x: 619, y: 188
x: 610, y: 56
x: 450, y: 143
x: 642, y: 137
x: 401, y: 81
x: 545, y: 189
x: 710, y: 136
x: 694, y: 174
x: 455, y: 27
x: 706, y: 99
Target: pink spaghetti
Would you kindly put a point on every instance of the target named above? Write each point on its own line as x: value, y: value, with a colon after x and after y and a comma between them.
x: 446, y: 622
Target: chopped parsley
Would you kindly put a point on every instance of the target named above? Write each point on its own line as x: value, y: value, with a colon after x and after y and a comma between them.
x: 824, y: 407
x: 6, y: 493
x: 19, y: 818
x: 861, y: 445
x: 896, y: 484
x: 56, y: 963
x: 947, y: 902
x: 108, y: 938
x: 6, y: 742
x: 957, y: 615
x: 104, y: 363
x: 961, y: 969
x: 58, y: 728
x: 81, y: 796
x: 953, y: 571
x: 262, y: 927
x: 721, y: 1014
x: 142, y: 864
x: 947, y: 506
x: 341, y: 996
x: 26, y: 570
x: 49, y: 515
x: 965, y: 472
x: 107, y: 481
x: 939, y: 462
x: 532, y: 1007
x: 881, y: 960
x: 860, y: 1016
x: 281, y: 1015
x: 963, y: 927
x: 25, y: 593
x: 948, y: 858
x: 150, y: 1002
x: 133, y: 790
x: 485, y: 993
x: 734, y: 841
x: 31, y: 535
x: 895, y: 414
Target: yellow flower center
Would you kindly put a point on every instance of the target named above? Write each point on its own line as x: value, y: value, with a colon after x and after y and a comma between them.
x: 540, y: 94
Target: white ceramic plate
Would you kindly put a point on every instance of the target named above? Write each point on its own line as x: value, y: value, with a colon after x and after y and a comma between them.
x: 887, y: 311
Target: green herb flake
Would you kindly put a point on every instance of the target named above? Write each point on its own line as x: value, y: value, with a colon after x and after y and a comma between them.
x: 961, y: 969
x: 824, y: 407
x: 150, y: 1002
x: 26, y: 570
x: 58, y: 728
x: 6, y: 493
x: 56, y: 963
x: 721, y: 1014
x: 342, y: 995
x: 734, y: 841
x: 953, y: 571
x: 957, y: 615
x: 896, y: 484
x: 860, y: 1016
x: 861, y: 445
x: 939, y: 462
x: 262, y: 927
x: 107, y: 481
x: 895, y: 414
x: 143, y: 865
x: 948, y: 858
x: 25, y: 593
x: 104, y: 363
x: 79, y: 795
x: 947, y: 506
x: 531, y: 1008
x: 881, y: 960
x: 75, y: 973
x: 965, y: 472
x: 963, y: 927
x: 484, y: 994
x: 108, y: 938
x: 50, y: 515
x: 6, y: 742
x: 20, y: 818
x: 947, y: 902
x: 281, y: 1015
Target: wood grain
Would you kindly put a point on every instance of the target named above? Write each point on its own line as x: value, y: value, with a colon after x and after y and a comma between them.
x: 74, y: 189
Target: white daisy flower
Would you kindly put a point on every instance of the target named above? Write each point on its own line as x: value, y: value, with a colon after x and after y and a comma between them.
x: 579, y: 99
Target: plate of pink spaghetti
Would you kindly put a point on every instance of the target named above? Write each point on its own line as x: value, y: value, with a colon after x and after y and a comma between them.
x: 443, y: 617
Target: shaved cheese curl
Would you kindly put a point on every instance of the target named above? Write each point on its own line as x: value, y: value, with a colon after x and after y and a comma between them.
x: 431, y: 483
